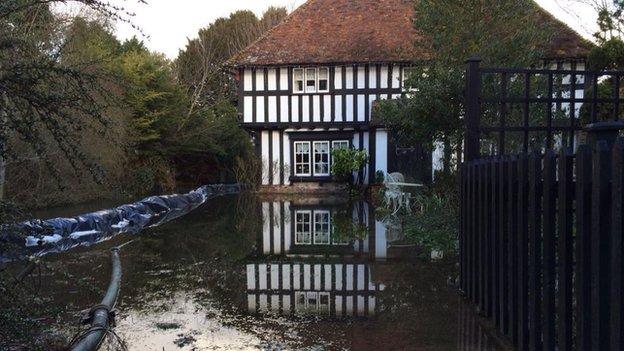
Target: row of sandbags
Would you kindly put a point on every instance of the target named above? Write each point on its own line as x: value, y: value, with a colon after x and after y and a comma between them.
x: 40, y: 237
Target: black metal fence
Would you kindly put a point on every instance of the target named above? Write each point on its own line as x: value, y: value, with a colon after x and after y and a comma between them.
x: 541, y: 246
x: 542, y: 213
x: 511, y: 110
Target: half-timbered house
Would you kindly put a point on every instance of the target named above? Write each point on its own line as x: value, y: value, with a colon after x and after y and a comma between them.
x: 308, y: 85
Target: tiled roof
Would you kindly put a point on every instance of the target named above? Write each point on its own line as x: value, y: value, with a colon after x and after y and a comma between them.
x: 344, y: 31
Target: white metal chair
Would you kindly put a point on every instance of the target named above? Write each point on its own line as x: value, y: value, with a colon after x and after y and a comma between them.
x: 395, y: 198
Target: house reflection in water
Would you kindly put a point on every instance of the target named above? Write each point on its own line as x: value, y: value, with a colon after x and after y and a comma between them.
x: 315, y: 258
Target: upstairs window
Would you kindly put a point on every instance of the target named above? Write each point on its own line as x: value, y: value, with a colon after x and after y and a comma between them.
x: 310, y: 77
x: 323, y: 80
x: 311, y: 80
x: 408, y: 72
x: 298, y: 80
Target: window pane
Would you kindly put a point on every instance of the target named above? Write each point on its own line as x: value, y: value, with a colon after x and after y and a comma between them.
x: 340, y: 144
x: 323, y: 73
x: 321, y: 227
x: 323, y: 79
x: 302, y: 158
x: 298, y: 80
x: 321, y: 158
x: 303, y: 228
x: 323, y: 85
x: 311, y: 80
x: 298, y: 73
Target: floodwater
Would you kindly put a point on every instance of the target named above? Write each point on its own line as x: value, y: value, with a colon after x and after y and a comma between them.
x: 242, y: 273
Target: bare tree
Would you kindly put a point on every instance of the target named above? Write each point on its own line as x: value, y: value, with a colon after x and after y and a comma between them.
x: 200, y: 65
x: 609, y: 13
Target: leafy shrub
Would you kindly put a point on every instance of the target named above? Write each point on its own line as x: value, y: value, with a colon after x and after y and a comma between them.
x: 434, y: 224
x: 346, y: 162
x: 345, y: 228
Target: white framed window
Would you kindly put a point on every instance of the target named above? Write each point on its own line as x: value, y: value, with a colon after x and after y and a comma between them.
x: 323, y: 80
x: 298, y: 80
x: 324, y: 304
x: 300, y: 301
x: 303, y: 227
x: 312, y: 303
x: 322, y: 225
x: 408, y: 72
x: 340, y: 144
x: 302, y: 158
x: 310, y: 80
x: 321, y: 158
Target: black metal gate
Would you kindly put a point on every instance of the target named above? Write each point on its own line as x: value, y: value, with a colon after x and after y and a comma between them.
x: 541, y: 229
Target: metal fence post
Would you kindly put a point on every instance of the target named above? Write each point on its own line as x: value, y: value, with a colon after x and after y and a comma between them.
x: 607, y: 131
x: 601, y: 137
x: 473, y: 113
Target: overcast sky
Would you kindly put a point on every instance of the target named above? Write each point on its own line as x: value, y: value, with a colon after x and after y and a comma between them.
x: 169, y: 23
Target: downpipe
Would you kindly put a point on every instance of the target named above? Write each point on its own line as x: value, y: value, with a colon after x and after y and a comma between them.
x: 101, y: 317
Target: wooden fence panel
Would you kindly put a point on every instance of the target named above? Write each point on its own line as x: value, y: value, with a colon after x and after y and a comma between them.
x: 502, y: 169
x: 482, y: 237
x: 583, y: 247
x: 474, y: 234
x: 523, y: 253
x: 600, y: 248
x: 462, y: 230
x: 617, y: 248
x: 512, y: 250
x: 535, y: 251
x: 494, y: 241
x: 565, y: 259
x: 549, y: 208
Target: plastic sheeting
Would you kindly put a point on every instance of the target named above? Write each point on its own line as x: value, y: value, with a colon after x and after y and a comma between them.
x: 61, y: 234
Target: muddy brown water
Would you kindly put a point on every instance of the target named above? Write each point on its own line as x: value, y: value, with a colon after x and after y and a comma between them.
x: 241, y: 273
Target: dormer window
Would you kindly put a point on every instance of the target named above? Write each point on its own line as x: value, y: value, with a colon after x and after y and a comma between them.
x: 311, y: 80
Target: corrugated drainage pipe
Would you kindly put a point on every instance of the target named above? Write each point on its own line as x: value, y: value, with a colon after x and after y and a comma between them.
x: 101, y: 317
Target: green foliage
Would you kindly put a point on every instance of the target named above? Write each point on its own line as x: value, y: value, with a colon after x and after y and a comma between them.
x: 345, y: 228
x: 146, y: 116
x: 347, y: 161
x: 610, y: 20
x: 157, y: 102
x: 433, y: 225
x: 609, y: 53
x: 507, y: 33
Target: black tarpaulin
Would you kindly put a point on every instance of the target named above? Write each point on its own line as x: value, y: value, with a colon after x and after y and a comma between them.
x: 61, y: 234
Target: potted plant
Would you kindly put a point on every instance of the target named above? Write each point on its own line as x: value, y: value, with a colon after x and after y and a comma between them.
x: 346, y: 163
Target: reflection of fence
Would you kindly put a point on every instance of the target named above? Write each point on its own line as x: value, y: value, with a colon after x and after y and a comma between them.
x: 518, y: 110
x: 542, y: 245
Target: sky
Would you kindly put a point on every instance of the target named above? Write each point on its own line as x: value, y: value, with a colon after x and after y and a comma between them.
x: 168, y: 23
